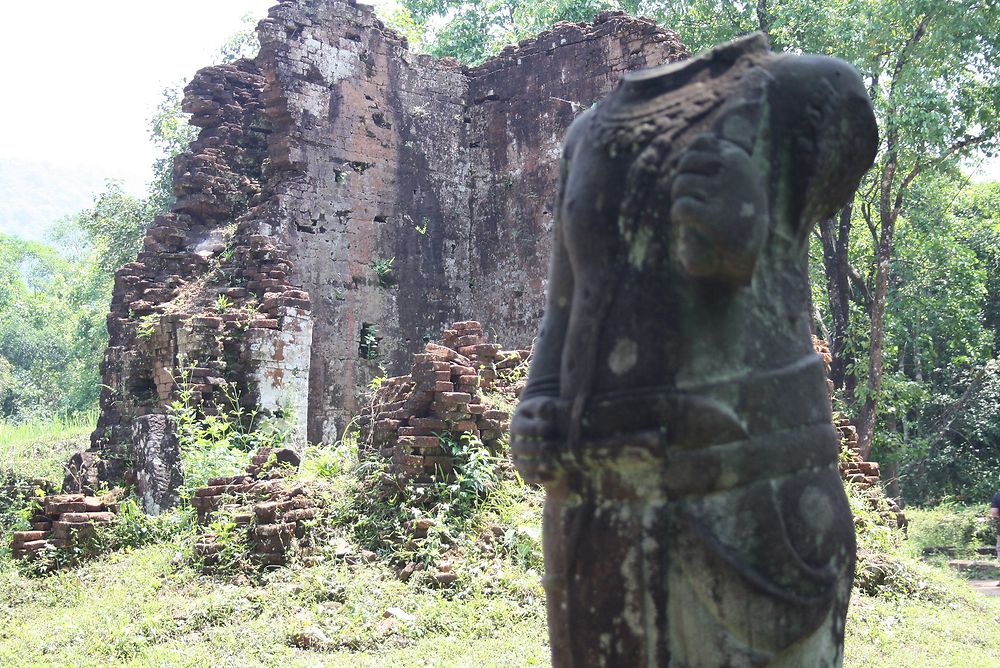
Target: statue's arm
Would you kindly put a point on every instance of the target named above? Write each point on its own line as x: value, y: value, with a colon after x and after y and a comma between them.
x: 535, y: 433
x: 535, y: 436
x: 719, y: 210
x: 546, y: 362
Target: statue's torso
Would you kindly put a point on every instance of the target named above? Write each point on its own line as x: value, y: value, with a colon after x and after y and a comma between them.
x: 642, y: 324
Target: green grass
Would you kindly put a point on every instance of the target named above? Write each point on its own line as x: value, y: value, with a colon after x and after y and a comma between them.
x: 151, y: 607
x: 963, y: 633
x: 959, y: 529
x: 145, y: 609
x: 41, y: 449
x: 148, y: 608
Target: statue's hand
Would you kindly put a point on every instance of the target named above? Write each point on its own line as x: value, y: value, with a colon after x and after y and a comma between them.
x: 535, y: 438
x: 720, y: 210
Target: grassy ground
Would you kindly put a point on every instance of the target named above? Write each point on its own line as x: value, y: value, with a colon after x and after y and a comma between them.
x: 146, y: 608
x: 151, y: 607
x: 963, y: 633
x: 41, y: 449
x: 143, y: 609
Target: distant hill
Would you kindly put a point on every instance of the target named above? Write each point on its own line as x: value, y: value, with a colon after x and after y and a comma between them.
x: 35, y: 194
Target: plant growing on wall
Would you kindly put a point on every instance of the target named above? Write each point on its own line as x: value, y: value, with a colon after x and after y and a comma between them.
x: 383, y: 270
x: 146, y: 325
x: 223, y: 303
x: 368, y: 342
x: 218, y: 437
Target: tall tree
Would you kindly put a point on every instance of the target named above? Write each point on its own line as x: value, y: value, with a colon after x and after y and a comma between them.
x: 934, y: 76
x: 933, y: 72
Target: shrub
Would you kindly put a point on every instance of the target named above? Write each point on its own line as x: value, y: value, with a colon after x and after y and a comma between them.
x: 218, y: 438
x: 883, y: 569
x: 950, y: 528
x: 131, y: 529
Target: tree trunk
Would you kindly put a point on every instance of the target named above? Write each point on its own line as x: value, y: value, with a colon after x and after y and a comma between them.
x: 890, y: 478
x: 889, y: 209
x: 835, y: 235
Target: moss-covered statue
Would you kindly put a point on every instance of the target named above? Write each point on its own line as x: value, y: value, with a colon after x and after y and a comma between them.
x: 675, y: 411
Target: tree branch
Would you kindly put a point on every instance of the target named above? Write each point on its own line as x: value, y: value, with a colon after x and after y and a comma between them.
x: 954, y: 410
x: 963, y: 143
x: 866, y: 213
x: 904, y: 53
x: 764, y: 19
x: 887, y: 210
x: 858, y: 281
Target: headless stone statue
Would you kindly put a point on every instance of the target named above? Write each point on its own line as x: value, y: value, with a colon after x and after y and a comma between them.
x: 675, y: 410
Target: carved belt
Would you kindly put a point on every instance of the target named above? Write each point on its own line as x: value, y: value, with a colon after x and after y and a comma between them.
x: 772, y: 424
x: 717, y: 412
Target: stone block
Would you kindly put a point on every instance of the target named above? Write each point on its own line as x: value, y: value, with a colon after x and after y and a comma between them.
x: 266, y: 530
x: 487, y: 350
x: 432, y: 376
x: 300, y: 514
x: 34, y: 546
x: 157, y: 456
x: 418, y: 442
x: 433, y: 424
x: 97, y: 518
x: 19, y: 538
x: 453, y: 398
x: 485, y: 424
x: 468, y: 339
x: 464, y: 426
x: 56, y: 509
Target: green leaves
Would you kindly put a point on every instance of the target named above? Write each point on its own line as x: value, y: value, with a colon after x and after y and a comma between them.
x: 474, y: 30
x: 51, y: 330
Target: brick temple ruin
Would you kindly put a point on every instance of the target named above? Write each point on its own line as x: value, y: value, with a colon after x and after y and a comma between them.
x: 345, y: 201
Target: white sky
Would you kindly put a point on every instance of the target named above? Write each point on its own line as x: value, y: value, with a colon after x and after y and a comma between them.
x: 80, y: 79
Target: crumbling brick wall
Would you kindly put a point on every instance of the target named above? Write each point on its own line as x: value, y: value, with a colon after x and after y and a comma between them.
x: 60, y: 521
x: 345, y: 200
x: 208, y: 301
x: 865, y: 475
x: 413, y: 419
x: 272, y: 515
x: 449, y: 172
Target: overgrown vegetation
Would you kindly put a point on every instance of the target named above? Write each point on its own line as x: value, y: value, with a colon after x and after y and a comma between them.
x: 39, y: 449
x: 952, y: 530
x: 455, y: 518
x: 147, y: 602
x: 217, y: 438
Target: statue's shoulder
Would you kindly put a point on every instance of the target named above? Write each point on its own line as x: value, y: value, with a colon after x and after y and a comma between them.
x: 800, y: 78
x: 577, y: 130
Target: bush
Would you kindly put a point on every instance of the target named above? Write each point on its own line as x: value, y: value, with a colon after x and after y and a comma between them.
x: 218, y: 438
x: 15, y: 508
x: 476, y: 511
x: 951, y: 529
x: 131, y: 529
x: 884, y: 570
